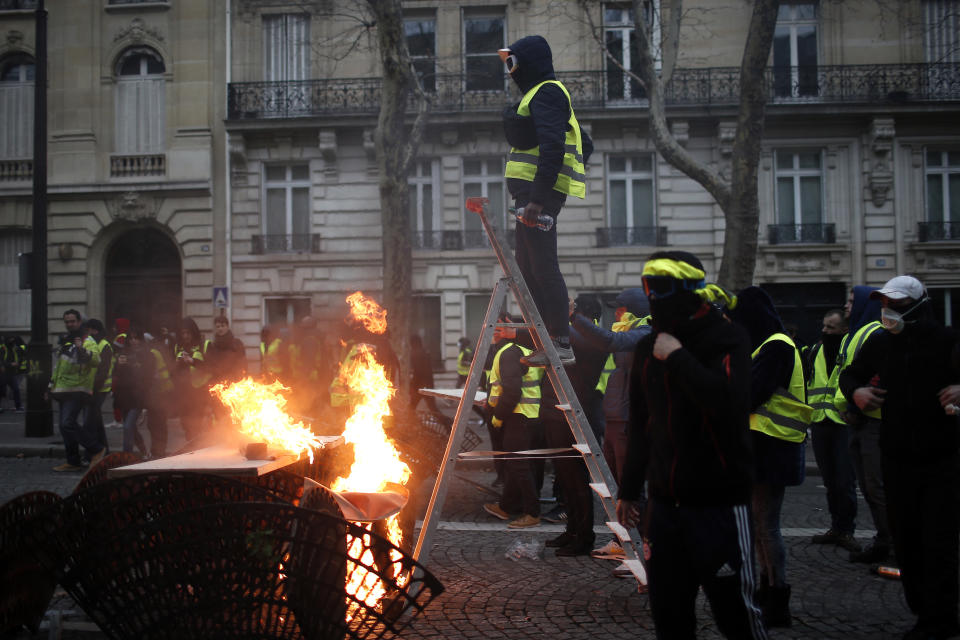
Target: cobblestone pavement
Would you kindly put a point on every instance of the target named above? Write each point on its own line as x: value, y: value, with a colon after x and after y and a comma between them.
x: 489, y: 596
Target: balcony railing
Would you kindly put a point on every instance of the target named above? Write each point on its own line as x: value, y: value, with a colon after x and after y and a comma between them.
x: 16, y: 170
x: 139, y: 166
x: 629, y: 236
x: 455, y: 240
x: 801, y: 233
x: 17, y: 5
x: 715, y: 86
x: 938, y: 231
x: 295, y: 243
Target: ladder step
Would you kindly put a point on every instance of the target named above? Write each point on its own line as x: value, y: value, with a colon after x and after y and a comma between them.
x: 636, y: 568
x: 582, y: 447
x: 601, y: 489
x: 564, y: 407
x: 619, y: 530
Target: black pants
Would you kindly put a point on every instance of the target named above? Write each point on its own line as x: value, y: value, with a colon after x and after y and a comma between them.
x: 157, y: 425
x: 922, y: 499
x: 93, y: 418
x: 710, y: 547
x: 572, y: 477
x: 520, y: 493
x: 536, y: 255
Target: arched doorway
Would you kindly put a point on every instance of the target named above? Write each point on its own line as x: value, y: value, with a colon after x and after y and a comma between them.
x: 143, y: 281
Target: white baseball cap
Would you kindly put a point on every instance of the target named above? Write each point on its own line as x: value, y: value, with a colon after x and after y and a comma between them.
x: 900, y: 288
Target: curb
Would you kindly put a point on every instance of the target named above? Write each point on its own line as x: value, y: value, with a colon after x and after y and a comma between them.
x: 32, y: 451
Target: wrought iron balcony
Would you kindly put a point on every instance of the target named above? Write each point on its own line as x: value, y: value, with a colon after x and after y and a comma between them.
x: 715, y: 86
x: 455, y: 240
x: 801, y: 233
x: 938, y: 231
x: 17, y: 5
x: 629, y: 236
x: 296, y: 243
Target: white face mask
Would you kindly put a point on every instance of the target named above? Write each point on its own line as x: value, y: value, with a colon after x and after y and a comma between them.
x: 891, y: 320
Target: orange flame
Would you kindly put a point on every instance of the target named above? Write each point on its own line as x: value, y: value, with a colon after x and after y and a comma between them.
x: 258, y: 411
x: 376, y: 460
x: 366, y: 311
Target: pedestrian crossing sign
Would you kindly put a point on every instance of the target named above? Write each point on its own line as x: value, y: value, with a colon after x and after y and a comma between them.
x: 221, y: 297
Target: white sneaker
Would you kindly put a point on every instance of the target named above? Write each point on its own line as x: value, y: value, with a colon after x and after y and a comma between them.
x: 114, y: 425
x: 610, y: 551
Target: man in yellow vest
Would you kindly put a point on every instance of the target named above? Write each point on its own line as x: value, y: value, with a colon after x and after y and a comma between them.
x: 548, y: 155
x: 514, y: 406
x: 779, y: 419
x: 102, y: 382
x: 831, y: 434
x: 464, y: 359
x: 864, y: 323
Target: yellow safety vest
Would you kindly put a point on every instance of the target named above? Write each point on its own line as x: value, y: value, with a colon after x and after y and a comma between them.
x: 270, y: 363
x: 162, y: 373
x: 522, y: 163
x: 822, y: 388
x: 340, y: 395
x: 529, y: 404
x: 108, y: 381
x: 846, y: 356
x: 626, y: 322
x: 463, y: 365
x: 785, y: 415
x: 199, y: 376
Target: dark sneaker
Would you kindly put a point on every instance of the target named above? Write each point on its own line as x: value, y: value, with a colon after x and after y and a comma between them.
x: 574, y: 549
x: 539, y: 358
x: 557, y: 515
x: 828, y: 537
x: 873, y: 554
x: 848, y: 542
x: 561, y: 540
x: 832, y: 536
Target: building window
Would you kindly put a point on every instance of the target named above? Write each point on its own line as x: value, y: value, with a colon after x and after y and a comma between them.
x: 141, y: 116
x: 421, y: 34
x: 483, y: 34
x: 425, y: 203
x: 286, y: 47
x: 799, y: 199
x: 621, y: 42
x: 795, y: 51
x: 942, y: 196
x: 285, y: 311
x: 287, y: 210
x: 483, y: 177
x: 941, y: 32
x: 16, y: 107
x: 15, y: 310
x: 427, y: 323
x: 474, y: 311
x: 630, y: 194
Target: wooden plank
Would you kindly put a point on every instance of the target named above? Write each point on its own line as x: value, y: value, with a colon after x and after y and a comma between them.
x: 454, y: 394
x: 220, y: 460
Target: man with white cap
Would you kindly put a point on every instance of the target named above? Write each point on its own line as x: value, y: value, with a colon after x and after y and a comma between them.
x: 912, y: 370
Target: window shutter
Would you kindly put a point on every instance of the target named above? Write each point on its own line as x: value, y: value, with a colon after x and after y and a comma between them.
x: 16, y: 120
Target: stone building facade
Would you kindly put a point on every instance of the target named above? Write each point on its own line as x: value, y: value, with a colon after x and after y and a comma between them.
x: 269, y: 183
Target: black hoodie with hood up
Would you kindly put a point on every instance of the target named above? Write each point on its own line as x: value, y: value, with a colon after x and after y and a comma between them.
x: 546, y: 126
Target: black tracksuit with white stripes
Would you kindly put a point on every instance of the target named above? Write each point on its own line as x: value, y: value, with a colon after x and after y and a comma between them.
x: 690, y: 441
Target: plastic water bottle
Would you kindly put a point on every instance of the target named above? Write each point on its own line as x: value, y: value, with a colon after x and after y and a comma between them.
x: 544, y: 221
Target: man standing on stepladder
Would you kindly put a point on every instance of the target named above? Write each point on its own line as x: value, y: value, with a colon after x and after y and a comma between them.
x: 546, y: 164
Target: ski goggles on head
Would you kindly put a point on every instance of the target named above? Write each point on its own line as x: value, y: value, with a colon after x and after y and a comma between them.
x: 509, y: 59
x: 659, y: 287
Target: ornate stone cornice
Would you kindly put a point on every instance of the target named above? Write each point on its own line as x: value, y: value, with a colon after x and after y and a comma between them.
x: 138, y: 32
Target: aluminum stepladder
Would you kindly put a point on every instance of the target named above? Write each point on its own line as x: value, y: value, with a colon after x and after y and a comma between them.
x: 601, y: 479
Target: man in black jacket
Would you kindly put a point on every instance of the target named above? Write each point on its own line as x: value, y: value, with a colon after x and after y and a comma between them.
x: 911, y: 370
x: 689, y: 440
x: 546, y: 164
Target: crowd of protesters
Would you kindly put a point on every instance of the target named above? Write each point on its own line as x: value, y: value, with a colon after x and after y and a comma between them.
x: 706, y: 404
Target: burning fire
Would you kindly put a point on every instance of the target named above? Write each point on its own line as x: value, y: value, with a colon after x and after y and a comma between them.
x: 376, y: 460
x: 368, y: 312
x: 258, y: 410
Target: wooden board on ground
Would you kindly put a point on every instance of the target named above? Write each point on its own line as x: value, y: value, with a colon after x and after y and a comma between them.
x: 221, y: 460
x: 454, y: 394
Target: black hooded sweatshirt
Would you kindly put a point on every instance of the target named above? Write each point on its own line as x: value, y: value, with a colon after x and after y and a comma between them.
x: 690, y: 416
x: 547, y: 125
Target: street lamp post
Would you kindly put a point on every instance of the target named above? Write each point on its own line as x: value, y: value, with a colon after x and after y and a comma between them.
x: 39, y: 418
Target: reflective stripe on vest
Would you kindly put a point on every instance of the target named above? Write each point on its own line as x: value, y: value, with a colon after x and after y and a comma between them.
x: 162, y: 373
x: 822, y: 388
x: 108, y: 381
x: 522, y: 163
x: 785, y: 415
x: 529, y: 404
x: 845, y: 358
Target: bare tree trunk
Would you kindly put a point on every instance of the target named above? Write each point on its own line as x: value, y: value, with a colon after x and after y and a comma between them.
x: 738, y: 198
x: 396, y: 146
